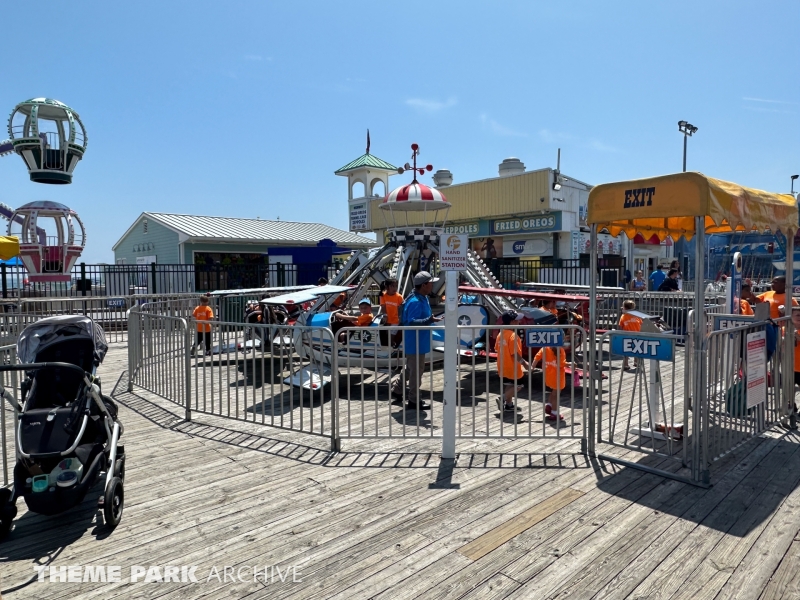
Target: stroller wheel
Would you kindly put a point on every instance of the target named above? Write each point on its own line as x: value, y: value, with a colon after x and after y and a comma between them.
x: 7, y: 514
x: 113, y: 503
x: 119, y: 470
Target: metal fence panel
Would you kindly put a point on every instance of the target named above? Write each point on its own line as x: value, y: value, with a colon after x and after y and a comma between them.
x: 8, y: 415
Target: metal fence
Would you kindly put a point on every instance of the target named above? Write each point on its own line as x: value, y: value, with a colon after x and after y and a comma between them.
x: 355, y: 382
x: 744, y: 387
x: 747, y: 384
x: 125, y: 280
x: 564, y: 271
x: 640, y: 407
x: 672, y: 307
x: 8, y: 416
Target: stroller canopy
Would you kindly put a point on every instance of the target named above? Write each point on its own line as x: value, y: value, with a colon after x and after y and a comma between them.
x: 53, y: 330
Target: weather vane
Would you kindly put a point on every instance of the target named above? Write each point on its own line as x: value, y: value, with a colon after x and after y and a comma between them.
x: 420, y: 170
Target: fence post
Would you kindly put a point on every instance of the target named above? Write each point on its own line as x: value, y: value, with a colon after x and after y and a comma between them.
x: 83, y: 279
x: 134, y: 341
x: 153, y: 276
x: 450, y: 365
x: 187, y: 342
x: 5, y: 282
x: 336, y: 440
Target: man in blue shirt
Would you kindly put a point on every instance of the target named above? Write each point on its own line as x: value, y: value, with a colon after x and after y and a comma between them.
x: 416, y: 343
x: 656, y: 278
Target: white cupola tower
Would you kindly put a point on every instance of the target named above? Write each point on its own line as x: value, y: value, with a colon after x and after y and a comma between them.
x: 367, y: 178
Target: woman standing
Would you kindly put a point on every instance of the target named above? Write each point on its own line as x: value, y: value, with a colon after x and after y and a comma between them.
x: 638, y: 284
x: 675, y: 264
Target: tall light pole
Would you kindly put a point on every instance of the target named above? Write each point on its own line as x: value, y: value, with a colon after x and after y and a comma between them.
x: 686, y: 129
x: 793, y: 178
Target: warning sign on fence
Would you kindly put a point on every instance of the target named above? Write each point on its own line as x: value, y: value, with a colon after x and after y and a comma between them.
x: 756, y: 368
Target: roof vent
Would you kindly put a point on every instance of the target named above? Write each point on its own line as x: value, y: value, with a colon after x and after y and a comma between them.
x: 511, y: 166
x: 442, y: 178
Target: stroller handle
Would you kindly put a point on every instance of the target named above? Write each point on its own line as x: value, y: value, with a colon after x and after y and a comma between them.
x: 44, y: 365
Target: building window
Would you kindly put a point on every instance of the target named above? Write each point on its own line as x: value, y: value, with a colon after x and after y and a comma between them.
x: 144, y: 226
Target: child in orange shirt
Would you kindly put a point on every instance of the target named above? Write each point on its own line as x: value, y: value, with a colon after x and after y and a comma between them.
x: 364, y: 319
x: 555, y: 367
x: 391, y: 302
x: 511, y: 365
x: 796, y: 323
x: 203, y: 313
x: 629, y: 323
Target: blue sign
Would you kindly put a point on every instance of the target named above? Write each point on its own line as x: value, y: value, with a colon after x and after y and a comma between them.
x: 115, y: 302
x: 642, y: 346
x: 519, y: 247
x: 545, y: 338
x: 547, y: 222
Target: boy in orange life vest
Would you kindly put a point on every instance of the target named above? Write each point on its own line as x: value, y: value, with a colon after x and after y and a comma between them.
x: 776, y: 297
x: 203, y: 314
x: 511, y: 365
x: 629, y: 323
x: 555, y: 366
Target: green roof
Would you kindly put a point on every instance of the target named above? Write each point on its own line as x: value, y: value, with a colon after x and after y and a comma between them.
x: 368, y: 160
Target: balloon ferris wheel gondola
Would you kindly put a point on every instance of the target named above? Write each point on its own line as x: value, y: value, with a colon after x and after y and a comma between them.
x: 50, y: 138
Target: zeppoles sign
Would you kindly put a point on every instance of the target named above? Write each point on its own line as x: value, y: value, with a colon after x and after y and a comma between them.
x: 639, y: 197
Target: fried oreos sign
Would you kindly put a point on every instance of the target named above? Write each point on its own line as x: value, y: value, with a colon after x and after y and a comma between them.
x: 637, y: 197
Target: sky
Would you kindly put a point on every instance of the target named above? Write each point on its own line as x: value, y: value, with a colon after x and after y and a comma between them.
x: 245, y: 109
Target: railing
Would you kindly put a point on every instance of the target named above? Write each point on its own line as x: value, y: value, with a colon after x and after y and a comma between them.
x: 557, y: 271
x: 355, y: 383
x: 744, y: 387
x: 126, y: 280
x: 640, y: 408
x: 8, y: 416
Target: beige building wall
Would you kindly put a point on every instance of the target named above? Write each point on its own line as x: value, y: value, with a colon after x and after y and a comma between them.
x: 489, y: 198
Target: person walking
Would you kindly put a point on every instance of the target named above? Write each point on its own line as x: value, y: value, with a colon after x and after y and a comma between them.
x: 511, y: 365
x: 629, y: 322
x: 416, y: 343
x: 675, y: 264
x: 670, y: 283
x: 656, y: 278
x: 203, y: 313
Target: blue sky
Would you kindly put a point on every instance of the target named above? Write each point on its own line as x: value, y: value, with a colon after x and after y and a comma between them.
x: 246, y: 108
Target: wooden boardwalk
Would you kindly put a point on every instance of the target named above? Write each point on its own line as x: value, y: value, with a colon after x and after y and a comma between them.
x: 385, y: 518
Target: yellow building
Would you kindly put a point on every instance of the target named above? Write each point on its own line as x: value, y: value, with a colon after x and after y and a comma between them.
x: 519, y: 217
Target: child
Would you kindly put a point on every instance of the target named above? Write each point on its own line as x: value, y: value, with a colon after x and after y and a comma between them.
x: 555, y: 367
x: 202, y: 314
x: 364, y: 319
x: 392, y: 303
x: 796, y: 323
x: 746, y: 299
x: 550, y: 306
x: 629, y: 323
x: 511, y: 366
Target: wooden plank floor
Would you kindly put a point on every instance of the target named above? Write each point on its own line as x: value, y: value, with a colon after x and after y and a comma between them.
x: 385, y: 518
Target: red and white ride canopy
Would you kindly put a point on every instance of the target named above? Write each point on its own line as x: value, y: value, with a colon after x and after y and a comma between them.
x: 415, y: 196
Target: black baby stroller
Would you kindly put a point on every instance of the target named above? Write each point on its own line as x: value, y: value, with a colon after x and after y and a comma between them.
x: 67, y: 432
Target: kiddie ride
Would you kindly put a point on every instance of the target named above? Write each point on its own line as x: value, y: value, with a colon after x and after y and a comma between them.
x: 409, y: 249
x: 51, y: 140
